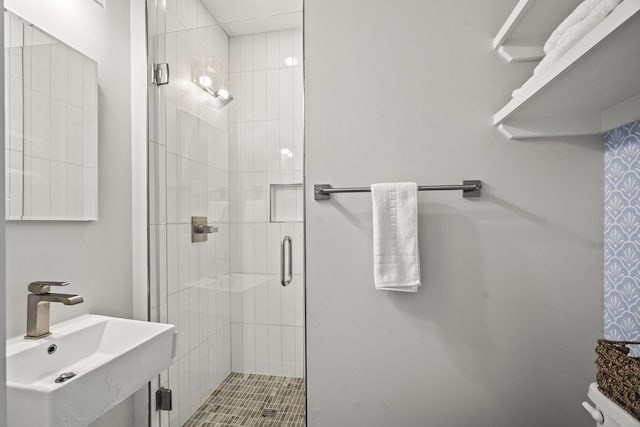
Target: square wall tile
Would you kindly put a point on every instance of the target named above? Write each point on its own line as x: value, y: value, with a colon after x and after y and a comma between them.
x: 59, y: 189
x: 274, y: 300
x: 246, y: 53
x: 41, y: 69
x: 36, y: 187
x: 259, y: 51
x: 275, y: 350
x: 261, y: 300
x: 259, y: 100
x: 286, y: 93
x: 249, y: 348
x: 74, y: 135
x: 245, y: 101
x: 260, y: 248
x: 272, y: 47
x: 262, y: 349
x: 286, y: 47
x: 14, y: 163
x: 183, y: 323
x: 234, y: 54
x: 194, y: 380
x: 236, y: 348
x: 59, y: 71
x: 75, y: 79
x: 185, y: 386
x: 90, y: 86
x: 59, y: 136
x: 288, y: 304
x: 300, y: 346
x: 272, y: 94
x: 288, y: 351
x: 172, y: 258
x: 37, y: 124
x: 248, y: 299
x: 194, y: 318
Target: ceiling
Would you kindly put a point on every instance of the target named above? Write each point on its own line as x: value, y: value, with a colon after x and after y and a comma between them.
x: 239, y: 17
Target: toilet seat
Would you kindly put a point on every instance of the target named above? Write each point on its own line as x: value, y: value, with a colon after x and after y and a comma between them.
x: 606, y: 412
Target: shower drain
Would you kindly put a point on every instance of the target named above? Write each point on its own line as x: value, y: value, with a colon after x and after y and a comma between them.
x: 269, y: 413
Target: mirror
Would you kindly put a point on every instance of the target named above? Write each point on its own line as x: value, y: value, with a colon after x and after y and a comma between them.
x: 51, y: 108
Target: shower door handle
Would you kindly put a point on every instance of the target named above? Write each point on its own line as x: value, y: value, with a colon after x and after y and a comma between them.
x: 286, y: 242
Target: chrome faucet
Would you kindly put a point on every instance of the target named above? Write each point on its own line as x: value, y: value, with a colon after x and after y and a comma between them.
x: 38, y: 307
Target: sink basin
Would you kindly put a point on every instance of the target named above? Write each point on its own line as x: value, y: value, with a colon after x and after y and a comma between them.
x: 111, y: 358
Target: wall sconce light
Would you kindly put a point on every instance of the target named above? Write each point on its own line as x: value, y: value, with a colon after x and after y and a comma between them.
x: 205, y: 77
x: 223, y: 96
x: 205, y: 81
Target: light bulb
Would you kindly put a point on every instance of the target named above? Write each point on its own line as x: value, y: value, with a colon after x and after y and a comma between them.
x: 223, y: 93
x: 205, y: 80
x: 291, y: 61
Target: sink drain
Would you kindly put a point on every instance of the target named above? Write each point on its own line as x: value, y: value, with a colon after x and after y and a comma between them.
x: 269, y: 413
x: 65, y: 377
x: 52, y: 349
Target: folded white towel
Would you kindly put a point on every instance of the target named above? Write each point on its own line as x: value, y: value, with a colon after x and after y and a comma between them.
x: 396, y: 262
x: 578, y: 14
x: 525, y: 86
x: 574, y: 33
x: 582, y: 20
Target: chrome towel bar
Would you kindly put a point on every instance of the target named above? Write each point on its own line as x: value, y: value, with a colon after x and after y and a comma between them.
x: 471, y: 188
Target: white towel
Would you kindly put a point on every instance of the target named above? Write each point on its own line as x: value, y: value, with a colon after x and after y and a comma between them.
x: 582, y: 20
x: 396, y: 262
x: 576, y: 32
x: 525, y: 86
x: 578, y: 14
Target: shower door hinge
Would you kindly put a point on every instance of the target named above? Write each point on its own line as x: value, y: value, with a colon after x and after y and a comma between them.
x: 163, y: 399
x: 161, y: 74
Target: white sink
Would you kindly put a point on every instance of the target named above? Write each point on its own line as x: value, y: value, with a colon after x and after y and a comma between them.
x: 112, y: 358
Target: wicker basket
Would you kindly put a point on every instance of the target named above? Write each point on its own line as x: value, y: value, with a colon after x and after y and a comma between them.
x: 619, y: 374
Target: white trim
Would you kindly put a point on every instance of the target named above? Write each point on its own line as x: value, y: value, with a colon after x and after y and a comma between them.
x: 511, y: 23
x: 139, y: 158
x: 3, y: 272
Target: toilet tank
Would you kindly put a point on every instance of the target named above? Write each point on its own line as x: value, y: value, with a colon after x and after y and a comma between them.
x: 607, y: 413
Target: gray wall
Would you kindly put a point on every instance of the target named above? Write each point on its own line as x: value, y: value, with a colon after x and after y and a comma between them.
x: 503, y: 330
x: 94, y: 256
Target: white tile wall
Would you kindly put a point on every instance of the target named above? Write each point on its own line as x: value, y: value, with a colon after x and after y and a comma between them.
x: 52, y: 118
x: 189, y: 176
x: 265, y: 142
x: 14, y: 107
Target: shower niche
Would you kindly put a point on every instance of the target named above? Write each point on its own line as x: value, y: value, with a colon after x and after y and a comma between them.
x: 283, y: 203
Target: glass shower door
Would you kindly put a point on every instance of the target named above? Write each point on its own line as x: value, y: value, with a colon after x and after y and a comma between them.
x: 189, y: 177
x: 266, y: 169
x: 240, y: 165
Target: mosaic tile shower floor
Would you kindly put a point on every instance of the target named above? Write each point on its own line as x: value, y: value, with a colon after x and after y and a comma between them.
x: 253, y: 400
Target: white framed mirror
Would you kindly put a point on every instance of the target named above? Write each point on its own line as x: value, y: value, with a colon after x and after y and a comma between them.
x: 51, y: 104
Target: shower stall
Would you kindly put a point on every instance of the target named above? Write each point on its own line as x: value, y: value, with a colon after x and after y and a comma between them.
x: 226, y: 232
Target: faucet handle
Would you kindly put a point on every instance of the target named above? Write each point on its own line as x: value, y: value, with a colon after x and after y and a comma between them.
x: 42, y: 287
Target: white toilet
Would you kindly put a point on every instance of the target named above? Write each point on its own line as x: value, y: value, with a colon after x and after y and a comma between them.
x: 606, y: 412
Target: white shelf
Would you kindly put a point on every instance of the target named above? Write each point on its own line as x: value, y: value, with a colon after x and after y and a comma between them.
x: 521, y: 53
x: 591, y: 89
x: 528, y: 26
